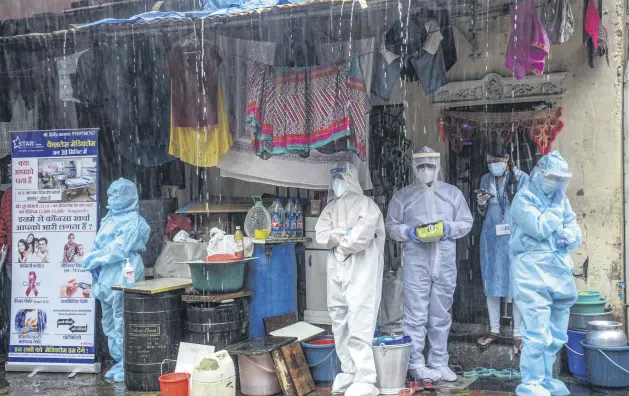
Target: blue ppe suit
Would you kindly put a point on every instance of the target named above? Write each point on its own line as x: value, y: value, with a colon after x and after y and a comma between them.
x: 544, y: 288
x: 428, y: 269
x: 123, y: 234
x: 494, y: 249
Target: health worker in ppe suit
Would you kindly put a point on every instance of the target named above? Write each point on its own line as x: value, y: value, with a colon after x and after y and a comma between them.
x: 498, y: 188
x: 428, y: 269
x: 352, y: 226
x: 544, y: 230
x: 123, y: 234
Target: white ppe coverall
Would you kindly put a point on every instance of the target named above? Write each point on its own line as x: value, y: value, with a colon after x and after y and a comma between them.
x: 352, y: 226
x: 428, y: 269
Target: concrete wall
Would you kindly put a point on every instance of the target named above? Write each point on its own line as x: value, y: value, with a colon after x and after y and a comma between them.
x: 591, y: 140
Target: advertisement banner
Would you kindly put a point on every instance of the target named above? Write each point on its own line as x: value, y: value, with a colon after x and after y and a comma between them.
x: 55, y: 209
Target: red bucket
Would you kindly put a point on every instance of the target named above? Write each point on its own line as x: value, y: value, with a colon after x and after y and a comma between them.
x: 174, y: 384
x: 324, y: 341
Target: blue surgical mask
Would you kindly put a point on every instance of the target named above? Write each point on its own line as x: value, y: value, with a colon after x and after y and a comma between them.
x: 497, y: 168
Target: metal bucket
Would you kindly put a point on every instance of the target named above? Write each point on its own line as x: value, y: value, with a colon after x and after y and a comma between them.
x: 391, y: 367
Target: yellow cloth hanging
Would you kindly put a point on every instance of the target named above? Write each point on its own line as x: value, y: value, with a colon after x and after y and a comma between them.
x: 202, y: 146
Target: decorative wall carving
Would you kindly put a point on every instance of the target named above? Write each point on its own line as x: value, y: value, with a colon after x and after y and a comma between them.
x: 495, y: 89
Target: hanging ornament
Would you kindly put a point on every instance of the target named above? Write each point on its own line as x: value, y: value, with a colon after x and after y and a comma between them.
x: 442, y: 130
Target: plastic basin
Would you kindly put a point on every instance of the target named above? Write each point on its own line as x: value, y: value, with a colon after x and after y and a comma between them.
x: 218, y: 278
x: 590, y: 307
x: 607, y: 366
x: 588, y: 296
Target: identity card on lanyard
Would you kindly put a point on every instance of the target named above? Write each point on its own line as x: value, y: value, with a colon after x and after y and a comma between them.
x: 502, y: 229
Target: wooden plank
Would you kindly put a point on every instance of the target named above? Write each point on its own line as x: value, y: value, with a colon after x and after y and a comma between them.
x: 283, y: 373
x: 209, y: 208
x: 273, y: 323
x: 190, y: 298
x: 155, y: 286
x: 291, y: 368
x: 298, y: 367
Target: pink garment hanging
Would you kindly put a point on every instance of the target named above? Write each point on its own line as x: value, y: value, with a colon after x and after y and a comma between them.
x: 528, y: 43
x: 592, y: 23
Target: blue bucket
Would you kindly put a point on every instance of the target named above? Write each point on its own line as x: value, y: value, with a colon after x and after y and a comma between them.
x: 322, y: 359
x: 607, y: 367
x: 576, y: 355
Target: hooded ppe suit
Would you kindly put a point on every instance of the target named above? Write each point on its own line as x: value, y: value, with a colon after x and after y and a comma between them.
x: 544, y: 229
x: 352, y: 226
x: 428, y: 269
x: 123, y: 234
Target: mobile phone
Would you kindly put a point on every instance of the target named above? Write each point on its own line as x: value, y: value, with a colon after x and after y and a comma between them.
x: 84, y: 285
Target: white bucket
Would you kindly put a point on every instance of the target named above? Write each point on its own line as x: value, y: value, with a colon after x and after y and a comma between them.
x: 257, y: 375
x: 391, y: 367
x: 218, y: 380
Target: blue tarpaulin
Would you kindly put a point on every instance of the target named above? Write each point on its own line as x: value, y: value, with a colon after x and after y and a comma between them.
x: 212, y: 9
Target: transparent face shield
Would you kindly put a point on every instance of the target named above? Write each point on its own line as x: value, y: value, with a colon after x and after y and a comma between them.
x: 338, y: 184
x: 425, y: 167
x: 552, y: 182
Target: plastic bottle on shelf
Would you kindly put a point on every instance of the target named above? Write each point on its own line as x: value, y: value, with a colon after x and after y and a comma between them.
x: 277, y: 219
x: 239, y: 239
x: 299, y: 220
x: 289, y: 221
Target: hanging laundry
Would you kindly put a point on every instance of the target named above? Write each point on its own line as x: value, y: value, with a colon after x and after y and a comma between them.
x: 240, y: 58
x: 558, y: 20
x: 295, y: 110
x: 199, y: 133
x: 528, y: 42
x: 427, y: 51
x: 202, y: 146
x: 592, y: 23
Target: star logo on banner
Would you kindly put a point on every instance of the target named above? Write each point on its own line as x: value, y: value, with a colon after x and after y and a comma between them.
x: 17, y: 142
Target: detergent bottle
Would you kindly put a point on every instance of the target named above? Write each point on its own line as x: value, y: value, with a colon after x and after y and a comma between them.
x: 128, y: 274
x: 215, y: 375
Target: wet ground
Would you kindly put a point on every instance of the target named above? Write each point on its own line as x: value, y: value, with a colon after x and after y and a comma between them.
x: 45, y: 384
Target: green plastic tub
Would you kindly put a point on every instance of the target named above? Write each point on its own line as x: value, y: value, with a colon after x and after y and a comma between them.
x: 218, y: 278
x: 589, y: 307
x: 589, y: 296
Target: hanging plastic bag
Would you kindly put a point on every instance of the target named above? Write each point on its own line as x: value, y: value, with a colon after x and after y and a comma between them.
x: 175, y: 224
x: 220, y: 243
x: 176, y: 252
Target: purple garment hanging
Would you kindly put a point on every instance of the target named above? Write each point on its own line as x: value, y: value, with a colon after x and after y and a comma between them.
x: 528, y: 43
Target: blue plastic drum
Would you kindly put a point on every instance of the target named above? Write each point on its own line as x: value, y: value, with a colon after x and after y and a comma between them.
x: 273, y: 279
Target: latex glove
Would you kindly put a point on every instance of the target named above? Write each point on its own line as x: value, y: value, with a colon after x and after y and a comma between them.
x: 558, y: 198
x: 412, y: 235
x: 349, y: 231
x: 482, y: 199
x: 446, y: 231
x: 565, y: 238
